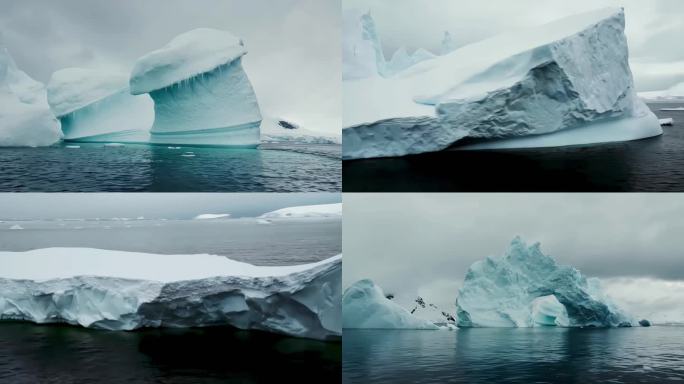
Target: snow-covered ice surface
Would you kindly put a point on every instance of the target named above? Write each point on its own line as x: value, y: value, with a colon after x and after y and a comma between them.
x: 25, y: 116
x: 95, y: 105
x: 674, y: 93
x: 280, y: 130
x: 526, y: 288
x: 306, y: 211
x: 426, y: 310
x: 201, y: 94
x: 210, y: 216
x: 364, y: 305
x: 569, y: 74
x: 119, y: 290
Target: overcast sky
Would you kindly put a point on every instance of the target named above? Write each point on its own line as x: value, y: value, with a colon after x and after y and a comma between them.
x: 654, y: 27
x: 423, y: 244
x: 294, y: 45
x: 151, y: 205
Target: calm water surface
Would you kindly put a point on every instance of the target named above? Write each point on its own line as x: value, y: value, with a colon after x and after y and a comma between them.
x: 142, y: 168
x: 60, y: 354
x: 654, y: 164
x: 532, y: 355
x: 281, y: 243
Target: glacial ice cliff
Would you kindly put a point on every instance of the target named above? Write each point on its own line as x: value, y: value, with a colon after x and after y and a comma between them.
x: 25, y: 117
x: 564, y: 83
x: 364, y: 305
x: 117, y: 290
x: 95, y: 105
x: 526, y: 288
x: 201, y: 93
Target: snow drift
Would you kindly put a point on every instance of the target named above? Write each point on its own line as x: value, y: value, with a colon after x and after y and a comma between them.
x: 570, y: 76
x: 306, y: 211
x: 364, y: 305
x: 25, y: 117
x: 526, y: 288
x: 125, y: 290
x: 96, y: 105
x: 201, y: 93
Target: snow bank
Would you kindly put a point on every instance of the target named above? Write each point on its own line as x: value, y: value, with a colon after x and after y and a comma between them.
x: 306, y: 211
x: 525, y: 288
x: 565, y: 75
x: 201, y: 94
x: 209, y: 216
x: 93, y: 104
x: 25, y: 117
x: 127, y: 290
x: 364, y: 305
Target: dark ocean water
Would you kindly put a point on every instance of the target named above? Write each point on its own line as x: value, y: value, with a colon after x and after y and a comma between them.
x: 654, y: 164
x: 32, y: 353
x: 515, y: 355
x: 142, y: 168
x: 61, y: 354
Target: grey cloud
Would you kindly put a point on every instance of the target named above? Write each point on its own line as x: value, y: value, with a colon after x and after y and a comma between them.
x: 412, y: 243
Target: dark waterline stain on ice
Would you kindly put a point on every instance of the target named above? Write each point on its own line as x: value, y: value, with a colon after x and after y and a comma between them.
x: 509, y: 355
x: 64, y: 354
x: 142, y: 168
x: 654, y: 164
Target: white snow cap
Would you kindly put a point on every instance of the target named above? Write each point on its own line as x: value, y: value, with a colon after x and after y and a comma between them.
x: 306, y: 211
x: 70, y: 89
x: 187, y: 55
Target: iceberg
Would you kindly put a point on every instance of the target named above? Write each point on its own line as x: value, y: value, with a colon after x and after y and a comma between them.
x: 25, y: 117
x: 96, y: 106
x: 564, y: 83
x: 202, y: 95
x: 117, y: 290
x: 448, y: 44
x: 526, y: 288
x: 212, y: 216
x: 401, y: 60
x: 673, y: 94
x: 281, y: 130
x: 364, y: 305
x: 431, y: 312
x: 306, y: 211
x: 362, y: 54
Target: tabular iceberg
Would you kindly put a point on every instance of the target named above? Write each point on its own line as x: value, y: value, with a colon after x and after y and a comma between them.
x: 125, y: 290
x: 564, y: 83
x: 525, y: 288
x: 201, y: 94
x: 364, y: 305
x: 306, y: 211
x: 25, y: 117
x: 96, y: 106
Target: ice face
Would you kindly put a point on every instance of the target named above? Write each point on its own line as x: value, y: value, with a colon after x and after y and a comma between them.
x: 362, y: 54
x: 566, y: 75
x: 124, y: 291
x: 364, y: 305
x: 526, y: 288
x: 201, y: 94
x: 25, y: 117
x: 96, y: 105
